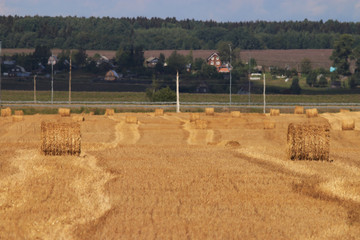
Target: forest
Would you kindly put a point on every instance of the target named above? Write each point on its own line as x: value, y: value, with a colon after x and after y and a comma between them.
x: 157, y: 34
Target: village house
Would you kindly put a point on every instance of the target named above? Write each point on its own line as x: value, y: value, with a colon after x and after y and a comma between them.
x: 214, y: 60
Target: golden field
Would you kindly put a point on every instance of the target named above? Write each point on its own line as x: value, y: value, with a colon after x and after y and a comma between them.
x: 163, y: 177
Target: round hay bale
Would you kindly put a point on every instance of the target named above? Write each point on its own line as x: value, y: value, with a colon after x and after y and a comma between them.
x: 19, y: 112
x: 235, y: 114
x: 60, y: 138
x: 269, y: 124
x: 159, y: 112
x: 310, y: 113
x: 17, y: 118
x: 194, y: 117
x: 64, y: 112
x: 131, y: 119
x: 232, y: 144
x: 274, y: 112
x: 308, y: 141
x: 299, y: 110
x: 78, y: 118
x: 344, y: 110
x: 348, y: 124
x: 201, y: 124
x: 109, y: 112
x: 6, y: 112
x: 209, y: 111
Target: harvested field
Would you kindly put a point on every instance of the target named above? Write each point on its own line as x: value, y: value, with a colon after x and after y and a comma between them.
x: 166, y: 178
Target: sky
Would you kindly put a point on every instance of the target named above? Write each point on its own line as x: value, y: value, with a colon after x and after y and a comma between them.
x: 221, y: 11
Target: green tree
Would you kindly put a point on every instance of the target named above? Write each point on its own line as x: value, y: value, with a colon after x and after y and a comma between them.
x: 341, y: 53
x: 79, y: 57
x: 323, y: 81
x: 311, y: 78
x: 306, y: 66
x: 295, y: 87
x: 176, y: 62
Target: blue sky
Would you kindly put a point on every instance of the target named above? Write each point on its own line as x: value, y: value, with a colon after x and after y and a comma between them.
x: 225, y: 10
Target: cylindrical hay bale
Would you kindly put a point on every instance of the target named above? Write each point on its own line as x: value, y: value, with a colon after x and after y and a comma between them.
x: 269, y: 124
x: 159, y: 112
x: 19, y: 112
x: 109, y: 112
x: 60, y: 138
x: 310, y: 113
x: 17, y: 118
x: 308, y: 141
x: 64, y: 112
x: 78, y: 118
x: 6, y: 112
x: 131, y: 119
x: 348, y: 124
x: 201, y: 124
x: 235, y: 114
x: 299, y: 110
x: 344, y: 110
x: 194, y: 117
x: 209, y: 111
x: 274, y: 112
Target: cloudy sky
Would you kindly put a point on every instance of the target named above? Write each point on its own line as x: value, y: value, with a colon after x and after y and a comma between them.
x: 225, y: 10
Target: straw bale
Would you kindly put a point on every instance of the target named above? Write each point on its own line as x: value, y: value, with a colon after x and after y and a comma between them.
x: 299, y: 110
x: 194, y: 117
x: 91, y: 113
x: 131, y: 119
x: 344, y: 110
x: 274, y: 112
x: 159, y: 112
x: 269, y: 124
x: 78, y: 118
x: 209, y: 111
x: 308, y: 141
x: 201, y: 124
x: 17, y: 118
x: 19, y: 112
x: 64, y: 112
x: 60, y: 138
x: 6, y: 112
x: 235, y: 114
x: 109, y: 112
x: 348, y: 124
x: 310, y: 113
x: 232, y: 144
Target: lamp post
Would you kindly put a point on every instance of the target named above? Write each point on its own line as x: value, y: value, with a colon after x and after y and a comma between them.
x: 230, y: 73
x: 52, y: 61
x: 0, y: 73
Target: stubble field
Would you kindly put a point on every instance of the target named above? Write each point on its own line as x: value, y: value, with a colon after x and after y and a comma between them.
x: 167, y: 177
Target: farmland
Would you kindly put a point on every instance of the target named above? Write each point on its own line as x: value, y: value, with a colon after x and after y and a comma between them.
x: 165, y: 177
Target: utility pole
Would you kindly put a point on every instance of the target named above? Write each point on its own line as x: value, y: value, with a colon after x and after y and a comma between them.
x: 70, y: 81
x: 177, y: 93
x: 264, y: 94
x: 35, y: 88
x: 52, y: 79
x: 230, y: 73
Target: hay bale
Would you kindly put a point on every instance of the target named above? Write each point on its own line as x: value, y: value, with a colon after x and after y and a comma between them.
x: 274, y: 112
x: 91, y: 113
x: 109, y: 112
x: 348, y: 124
x: 64, y: 112
x: 232, y: 143
x: 60, y: 138
x: 269, y: 124
x: 308, y: 141
x: 194, y: 117
x: 17, y: 118
x: 78, y: 118
x: 209, y: 111
x: 201, y: 124
x: 299, y: 110
x: 131, y: 119
x: 310, y: 113
x: 344, y: 110
x: 235, y: 114
x: 159, y: 112
x: 19, y: 112
x: 6, y: 112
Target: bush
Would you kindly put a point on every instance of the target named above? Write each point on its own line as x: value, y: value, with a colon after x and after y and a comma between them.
x: 162, y: 95
x: 323, y: 81
x: 295, y: 87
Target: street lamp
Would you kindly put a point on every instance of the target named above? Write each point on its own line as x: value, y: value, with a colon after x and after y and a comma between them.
x: 230, y: 73
x: 52, y: 62
x: 0, y: 73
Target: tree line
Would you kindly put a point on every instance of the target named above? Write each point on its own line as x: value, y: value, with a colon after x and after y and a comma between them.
x: 157, y: 34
